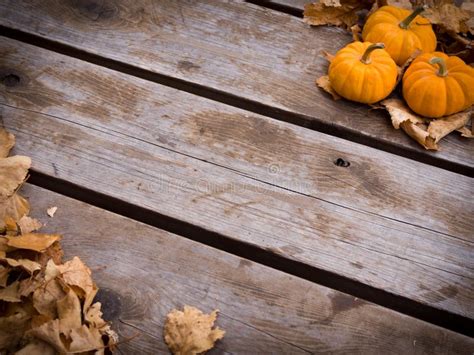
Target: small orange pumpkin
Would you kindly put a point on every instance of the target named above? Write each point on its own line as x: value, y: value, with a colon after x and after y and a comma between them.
x: 436, y: 85
x: 363, y: 72
x: 402, y: 32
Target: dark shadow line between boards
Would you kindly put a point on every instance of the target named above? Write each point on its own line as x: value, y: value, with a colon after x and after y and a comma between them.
x: 400, y: 304
x: 238, y: 102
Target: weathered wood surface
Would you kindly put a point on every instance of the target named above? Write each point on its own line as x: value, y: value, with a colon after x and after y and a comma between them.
x: 387, y: 221
x: 145, y: 272
x: 231, y: 46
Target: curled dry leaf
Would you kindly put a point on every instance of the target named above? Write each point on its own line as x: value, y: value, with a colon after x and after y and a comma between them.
x: 427, y: 132
x: 343, y: 13
x: 13, y: 171
x: 28, y: 224
x: 466, y: 132
x: 190, y: 331
x: 14, y: 207
x: 7, y: 141
x: 36, y: 347
x: 324, y: 83
x: 10, y: 292
x: 448, y: 17
x: 33, y: 241
x: 26, y: 264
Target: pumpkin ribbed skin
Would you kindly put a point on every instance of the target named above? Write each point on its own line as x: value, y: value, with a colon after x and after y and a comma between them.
x: 357, y: 81
x: 431, y: 95
x: 384, y: 26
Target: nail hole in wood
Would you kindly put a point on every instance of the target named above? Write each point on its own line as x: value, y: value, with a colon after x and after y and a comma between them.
x: 10, y: 80
x: 341, y: 162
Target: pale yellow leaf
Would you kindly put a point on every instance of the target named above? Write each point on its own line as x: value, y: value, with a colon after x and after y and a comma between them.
x: 190, y: 331
x: 324, y: 83
x: 13, y: 171
x: 28, y: 224
x: 51, y: 211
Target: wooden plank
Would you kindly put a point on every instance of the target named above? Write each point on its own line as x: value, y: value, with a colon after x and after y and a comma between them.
x: 387, y: 221
x: 241, y: 49
x: 145, y: 272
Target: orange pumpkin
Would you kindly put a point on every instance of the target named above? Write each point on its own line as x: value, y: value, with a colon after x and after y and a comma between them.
x: 436, y: 85
x: 402, y: 32
x: 363, y: 72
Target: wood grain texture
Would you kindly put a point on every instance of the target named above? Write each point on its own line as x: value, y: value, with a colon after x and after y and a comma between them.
x: 230, y: 46
x: 294, y: 4
x: 386, y: 221
x: 144, y: 272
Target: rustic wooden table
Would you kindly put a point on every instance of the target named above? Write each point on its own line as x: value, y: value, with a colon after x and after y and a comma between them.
x: 193, y: 162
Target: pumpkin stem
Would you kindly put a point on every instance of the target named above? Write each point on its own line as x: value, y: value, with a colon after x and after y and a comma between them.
x: 406, y: 22
x: 443, y: 69
x: 366, y: 56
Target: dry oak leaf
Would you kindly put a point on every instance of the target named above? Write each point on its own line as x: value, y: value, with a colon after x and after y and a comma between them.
x: 190, y: 331
x: 77, y: 275
x: 466, y: 132
x: 343, y: 13
x: 28, y: 224
x: 33, y: 241
x: 7, y: 141
x: 13, y: 171
x: 449, y: 17
x: 69, y: 312
x: 427, y: 132
x: 4, y: 271
x: 14, y: 207
x: 324, y: 83
x: 36, y: 347
x: 10, y: 293
x: 26, y: 264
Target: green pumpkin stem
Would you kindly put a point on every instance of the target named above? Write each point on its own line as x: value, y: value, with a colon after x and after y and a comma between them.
x: 443, y: 69
x: 406, y: 22
x: 366, y: 56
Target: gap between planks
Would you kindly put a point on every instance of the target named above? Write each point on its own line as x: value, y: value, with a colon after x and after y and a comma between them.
x: 267, y: 257
x: 233, y: 100
x: 282, y: 6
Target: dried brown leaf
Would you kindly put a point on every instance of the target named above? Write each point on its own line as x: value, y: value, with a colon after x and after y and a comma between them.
x: 448, y: 17
x: 76, y: 274
x: 356, y: 30
x: 190, y: 331
x: 411, y: 58
x: 28, y: 224
x: 441, y: 127
x: 85, y: 339
x: 468, y: 6
x: 69, y: 312
x: 324, y: 83
x: 49, y: 333
x: 10, y: 293
x: 26, y: 264
x: 13, y: 171
x: 427, y: 132
x: 36, y: 347
x: 4, y: 271
x: 14, y: 207
x: 33, y: 241
x: 7, y: 141
x: 466, y: 132
x: 341, y: 13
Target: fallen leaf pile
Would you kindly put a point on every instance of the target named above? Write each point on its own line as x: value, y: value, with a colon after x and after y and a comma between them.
x: 191, y: 332
x: 46, y: 305
x: 454, y: 28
